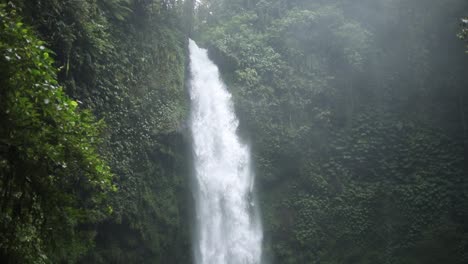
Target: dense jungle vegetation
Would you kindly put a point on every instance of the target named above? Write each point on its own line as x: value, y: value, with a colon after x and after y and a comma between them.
x: 356, y: 112
x: 78, y: 188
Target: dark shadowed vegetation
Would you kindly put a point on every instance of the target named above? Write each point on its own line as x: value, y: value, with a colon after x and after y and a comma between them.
x: 124, y: 61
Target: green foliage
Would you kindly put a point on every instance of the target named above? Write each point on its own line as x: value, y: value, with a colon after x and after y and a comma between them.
x: 126, y: 61
x: 358, y: 142
x: 53, y: 179
x: 356, y: 116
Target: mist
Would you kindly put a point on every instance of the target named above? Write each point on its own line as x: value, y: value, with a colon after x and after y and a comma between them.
x: 234, y: 131
x: 356, y: 111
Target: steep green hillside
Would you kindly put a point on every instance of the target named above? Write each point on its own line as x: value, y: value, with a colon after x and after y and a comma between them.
x: 356, y: 111
x: 52, y: 178
x: 124, y: 60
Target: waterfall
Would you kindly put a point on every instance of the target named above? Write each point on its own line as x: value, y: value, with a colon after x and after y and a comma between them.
x: 228, y: 229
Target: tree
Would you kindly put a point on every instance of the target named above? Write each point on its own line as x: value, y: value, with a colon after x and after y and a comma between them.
x: 53, y: 179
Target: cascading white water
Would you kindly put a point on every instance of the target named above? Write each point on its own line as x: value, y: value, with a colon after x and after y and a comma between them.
x: 228, y: 226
